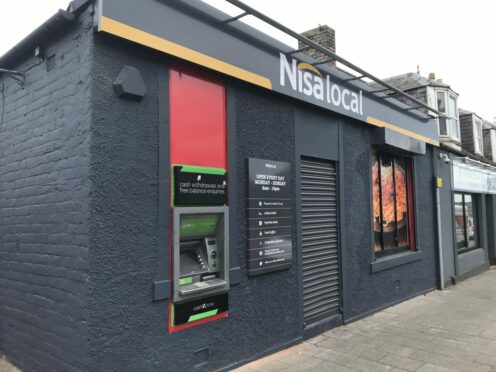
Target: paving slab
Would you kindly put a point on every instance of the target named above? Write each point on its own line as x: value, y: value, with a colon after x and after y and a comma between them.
x: 6, y: 366
x: 450, y: 330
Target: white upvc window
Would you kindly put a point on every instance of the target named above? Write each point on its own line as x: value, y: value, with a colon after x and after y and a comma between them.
x: 478, y: 145
x: 493, y: 144
x: 449, y: 127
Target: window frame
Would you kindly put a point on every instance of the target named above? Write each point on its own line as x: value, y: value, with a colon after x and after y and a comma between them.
x: 475, y: 211
x: 411, y: 209
x: 477, y: 129
x: 443, y: 93
x: 452, y: 116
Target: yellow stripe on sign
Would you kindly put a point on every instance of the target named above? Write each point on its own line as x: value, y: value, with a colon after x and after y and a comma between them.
x: 309, y: 67
x: 406, y: 132
x: 124, y: 31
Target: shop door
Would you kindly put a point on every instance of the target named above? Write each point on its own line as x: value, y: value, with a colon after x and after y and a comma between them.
x: 319, y: 241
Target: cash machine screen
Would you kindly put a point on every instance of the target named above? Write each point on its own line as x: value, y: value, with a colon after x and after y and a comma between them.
x: 194, y: 226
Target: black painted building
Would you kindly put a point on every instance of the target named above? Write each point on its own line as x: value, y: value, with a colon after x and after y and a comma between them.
x: 95, y: 126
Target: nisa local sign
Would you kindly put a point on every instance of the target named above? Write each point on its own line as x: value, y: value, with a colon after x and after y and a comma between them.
x: 308, y: 80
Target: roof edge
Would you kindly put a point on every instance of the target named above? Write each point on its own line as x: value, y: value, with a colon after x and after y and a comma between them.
x: 43, y: 34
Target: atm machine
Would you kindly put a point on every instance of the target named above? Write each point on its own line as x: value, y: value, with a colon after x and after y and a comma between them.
x: 200, y: 263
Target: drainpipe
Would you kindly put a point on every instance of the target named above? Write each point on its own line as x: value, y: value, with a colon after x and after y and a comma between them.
x: 439, y: 237
x: 444, y: 158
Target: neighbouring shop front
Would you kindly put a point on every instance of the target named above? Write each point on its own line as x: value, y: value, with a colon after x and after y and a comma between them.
x: 467, y: 216
x: 474, y: 185
x: 241, y: 197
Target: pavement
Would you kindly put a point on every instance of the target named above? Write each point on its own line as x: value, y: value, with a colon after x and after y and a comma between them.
x: 6, y: 366
x: 450, y: 330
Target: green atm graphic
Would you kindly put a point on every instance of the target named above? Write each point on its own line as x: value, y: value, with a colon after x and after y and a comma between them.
x: 200, y: 280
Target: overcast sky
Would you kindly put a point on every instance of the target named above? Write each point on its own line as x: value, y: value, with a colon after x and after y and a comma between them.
x: 453, y: 38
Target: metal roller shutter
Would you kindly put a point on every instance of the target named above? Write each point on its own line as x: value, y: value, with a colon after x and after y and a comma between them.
x: 319, y: 234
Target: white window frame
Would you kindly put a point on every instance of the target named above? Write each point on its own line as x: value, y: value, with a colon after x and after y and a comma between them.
x: 451, y: 115
x: 454, y: 116
x: 477, y: 133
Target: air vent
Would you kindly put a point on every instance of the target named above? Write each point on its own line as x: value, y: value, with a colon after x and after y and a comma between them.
x: 51, y: 62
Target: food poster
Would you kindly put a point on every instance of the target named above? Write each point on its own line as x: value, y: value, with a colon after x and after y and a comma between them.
x: 390, y: 202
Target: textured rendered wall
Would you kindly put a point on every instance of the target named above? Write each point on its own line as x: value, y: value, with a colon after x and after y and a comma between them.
x: 124, y: 325
x: 364, y: 291
x: 44, y: 191
x: 127, y: 330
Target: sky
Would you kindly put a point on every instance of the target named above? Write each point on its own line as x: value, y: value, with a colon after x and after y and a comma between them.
x: 455, y: 39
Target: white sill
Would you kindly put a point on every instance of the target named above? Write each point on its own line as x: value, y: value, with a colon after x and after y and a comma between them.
x: 449, y: 139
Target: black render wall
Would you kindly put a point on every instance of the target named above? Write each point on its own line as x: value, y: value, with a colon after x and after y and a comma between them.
x: 265, y: 307
x: 44, y: 192
x: 124, y: 324
x: 365, y: 292
x: 127, y: 330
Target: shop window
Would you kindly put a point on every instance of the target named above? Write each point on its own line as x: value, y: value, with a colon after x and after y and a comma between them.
x: 448, y: 126
x: 392, y: 180
x: 466, y: 222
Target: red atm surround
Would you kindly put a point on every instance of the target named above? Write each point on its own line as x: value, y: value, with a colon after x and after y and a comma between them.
x: 197, y: 119
x: 197, y: 106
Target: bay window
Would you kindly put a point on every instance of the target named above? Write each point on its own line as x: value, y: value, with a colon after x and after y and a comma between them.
x: 392, y: 182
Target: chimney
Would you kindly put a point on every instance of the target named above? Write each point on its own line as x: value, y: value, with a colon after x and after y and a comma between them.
x: 432, y: 76
x: 324, y: 36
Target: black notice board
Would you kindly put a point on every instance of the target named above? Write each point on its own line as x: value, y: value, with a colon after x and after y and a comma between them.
x: 194, y: 186
x: 270, y: 221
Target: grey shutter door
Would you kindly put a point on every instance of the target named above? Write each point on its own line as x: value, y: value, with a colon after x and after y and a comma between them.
x: 319, y: 237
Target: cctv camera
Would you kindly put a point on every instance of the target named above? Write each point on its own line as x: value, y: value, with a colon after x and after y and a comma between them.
x: 444, y: 157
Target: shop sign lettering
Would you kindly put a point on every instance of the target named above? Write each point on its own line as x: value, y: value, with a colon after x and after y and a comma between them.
x: 473, y: 179
x: 308, y: 80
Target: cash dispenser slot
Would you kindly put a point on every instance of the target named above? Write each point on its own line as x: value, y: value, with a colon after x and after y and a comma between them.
x: 198, y: 266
